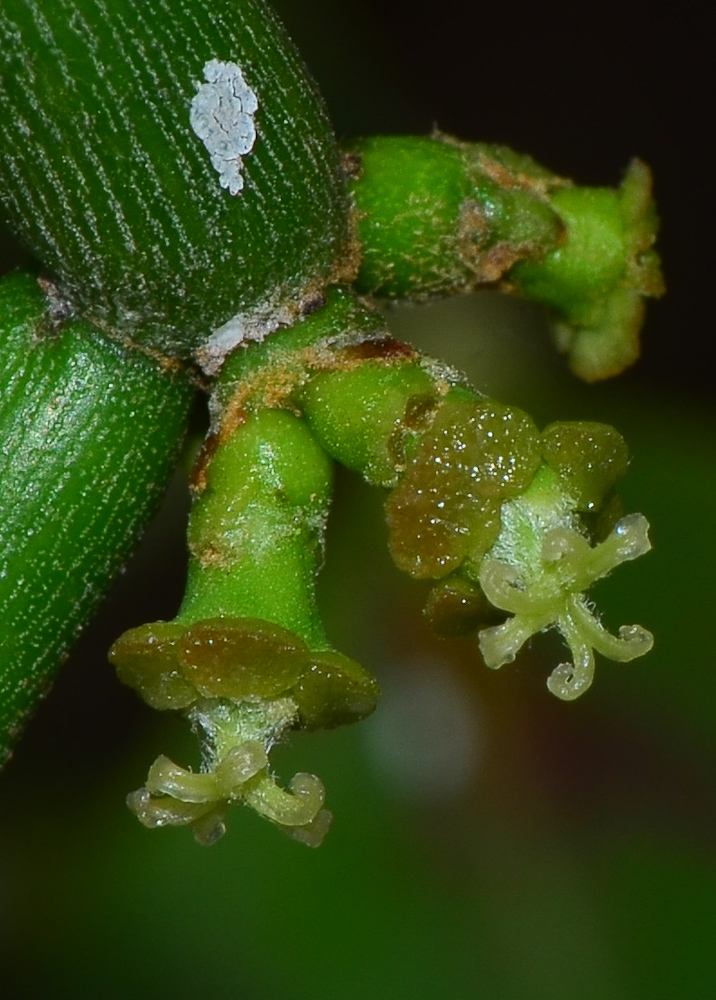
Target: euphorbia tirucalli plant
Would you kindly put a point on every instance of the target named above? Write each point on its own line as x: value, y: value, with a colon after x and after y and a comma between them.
x: 197, y: 228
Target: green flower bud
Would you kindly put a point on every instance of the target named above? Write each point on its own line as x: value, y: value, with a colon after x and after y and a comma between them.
x: 596, y: 280
x: 437, y: 216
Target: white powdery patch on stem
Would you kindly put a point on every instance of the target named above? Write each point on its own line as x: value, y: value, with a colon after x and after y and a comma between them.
x: 221, y: 115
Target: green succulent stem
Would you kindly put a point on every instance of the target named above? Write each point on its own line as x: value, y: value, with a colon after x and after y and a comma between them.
x: 172, y: 164
x: 90, y: 433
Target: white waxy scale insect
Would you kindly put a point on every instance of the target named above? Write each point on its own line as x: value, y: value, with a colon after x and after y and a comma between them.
x: 221, y: 115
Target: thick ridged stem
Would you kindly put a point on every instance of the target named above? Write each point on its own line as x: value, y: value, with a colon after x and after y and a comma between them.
x: 172, y: 164
x: 90, y: 432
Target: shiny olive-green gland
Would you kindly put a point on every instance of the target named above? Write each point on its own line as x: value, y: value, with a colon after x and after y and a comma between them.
x: 234, y: 659
x: 237, y: 658
x: 170, y: 162
x: 457, y: 606
x: 172, y: 666
x: 334, y: 691
x: 147, y: 659
x: 437, y: 217
x: 88, y: 435
x: 445, y: 509
x: 588, y: 457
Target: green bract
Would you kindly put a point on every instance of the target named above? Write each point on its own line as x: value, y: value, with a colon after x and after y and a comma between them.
x: 172, y: 164
x: 88, y: 435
